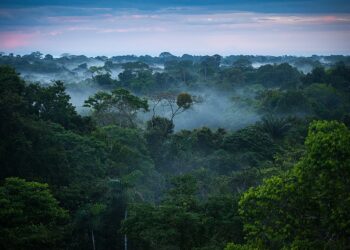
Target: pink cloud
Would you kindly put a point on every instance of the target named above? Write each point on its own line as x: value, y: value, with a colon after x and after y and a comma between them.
x: 336, y: 19
x: 12, y: 40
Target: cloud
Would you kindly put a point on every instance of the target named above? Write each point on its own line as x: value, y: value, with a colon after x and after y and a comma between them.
x: 128, y: 30
x: 192, y: 30
x: 12, y: 40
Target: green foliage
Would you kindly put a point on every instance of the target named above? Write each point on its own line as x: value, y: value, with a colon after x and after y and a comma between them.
x: 135, y: 66
x: 102, y: 175
x: 118, y: 107
x: 232, y: 246
x: 184, y: 100
x: 339, y: 77
x: 209, y: 65
x: 181, y: 70
x: 232, y: 76
x: 253, y: 141
x: 283, y: 102
x: 317, y: 75
x: 104, y: 80
x: 269, y: 211
x: 280, y: 75
x: 326, y: 101
x: 308, y: 206
x: 127, y: 146
x: 131, y: 161
x: 157, y: 131
x: 52, y: 104
x: 160, y: 125
x: 325, y: 172
x: 174, y: 222
x: 30, y: 216
x: 12, y: 103
x: 242, y: 63
x: 95, y: 70
x: 136, y: 76
x: 182, y: 222
x: 274, y: 126
x: 75, y: 165
x: 221, y: 219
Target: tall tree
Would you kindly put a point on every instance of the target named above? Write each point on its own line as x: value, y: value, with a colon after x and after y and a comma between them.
x: 119, y: 107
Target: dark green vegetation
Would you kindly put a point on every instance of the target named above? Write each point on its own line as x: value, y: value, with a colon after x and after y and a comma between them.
x: 109, y: 180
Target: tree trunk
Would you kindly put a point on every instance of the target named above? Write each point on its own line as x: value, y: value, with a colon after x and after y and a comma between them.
x: 125, y: 236
x: 93, y: 239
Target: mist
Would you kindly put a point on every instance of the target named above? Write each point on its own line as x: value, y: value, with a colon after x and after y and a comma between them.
x: 78, y: 96
x: 216, y: 109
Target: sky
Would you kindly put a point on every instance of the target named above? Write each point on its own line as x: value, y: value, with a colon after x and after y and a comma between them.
x: 120, y: 27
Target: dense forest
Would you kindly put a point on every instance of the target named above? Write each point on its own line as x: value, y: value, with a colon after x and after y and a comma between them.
x: 174, y: 153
